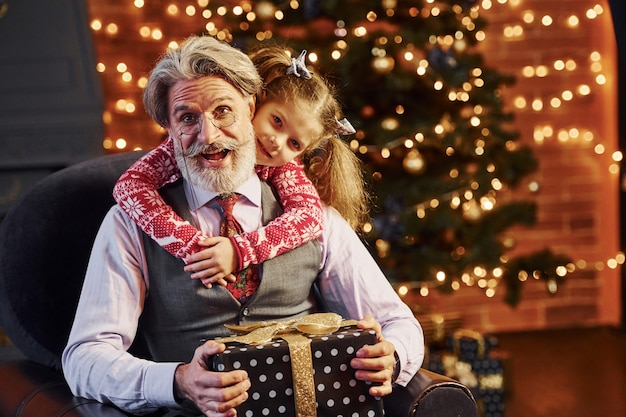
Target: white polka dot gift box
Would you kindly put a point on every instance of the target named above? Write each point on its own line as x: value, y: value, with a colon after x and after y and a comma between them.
x: 300, y: 368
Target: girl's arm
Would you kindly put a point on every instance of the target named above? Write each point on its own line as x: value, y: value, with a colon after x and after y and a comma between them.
x: 300, y: 223
x: 137, y: 195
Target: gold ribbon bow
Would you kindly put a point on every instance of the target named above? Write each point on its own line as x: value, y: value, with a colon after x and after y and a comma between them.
x: 293, y: 331
x: 490, y: 381
x: 469, y: 334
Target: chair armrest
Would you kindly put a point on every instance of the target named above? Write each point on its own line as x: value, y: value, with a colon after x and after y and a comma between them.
x: 33, y: 390
x: 430, y: 394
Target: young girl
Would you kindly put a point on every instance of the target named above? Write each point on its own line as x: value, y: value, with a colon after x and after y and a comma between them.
x: 297, y: 117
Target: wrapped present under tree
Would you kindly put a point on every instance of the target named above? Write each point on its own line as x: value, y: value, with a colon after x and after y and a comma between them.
x: 474, y: 360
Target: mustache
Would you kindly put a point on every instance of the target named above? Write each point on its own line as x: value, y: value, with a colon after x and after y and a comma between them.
x: 198, y: 148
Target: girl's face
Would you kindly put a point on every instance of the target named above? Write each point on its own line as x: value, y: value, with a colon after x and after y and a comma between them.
x: 282, y: 132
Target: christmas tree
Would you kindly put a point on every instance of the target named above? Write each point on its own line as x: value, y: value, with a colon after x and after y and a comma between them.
x: 431, y: 128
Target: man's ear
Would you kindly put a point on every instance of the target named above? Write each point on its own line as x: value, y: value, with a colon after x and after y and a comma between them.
x: 252, y: 105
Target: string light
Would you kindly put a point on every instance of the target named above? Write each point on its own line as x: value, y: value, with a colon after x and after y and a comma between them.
x: 583, y: 76
x: 488, y: 281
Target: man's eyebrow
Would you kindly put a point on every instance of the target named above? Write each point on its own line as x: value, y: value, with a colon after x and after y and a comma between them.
x: 217, y: 100
x: 224, y: 99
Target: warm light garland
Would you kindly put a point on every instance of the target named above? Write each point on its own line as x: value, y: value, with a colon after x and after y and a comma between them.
x: 489, y: 280
x: 130, y: 79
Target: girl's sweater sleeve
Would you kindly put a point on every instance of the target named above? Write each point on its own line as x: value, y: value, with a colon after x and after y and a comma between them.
x: 136, y: 193
x: 301, y: 221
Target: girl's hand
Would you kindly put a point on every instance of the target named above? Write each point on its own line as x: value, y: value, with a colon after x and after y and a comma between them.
x: 214, y: 264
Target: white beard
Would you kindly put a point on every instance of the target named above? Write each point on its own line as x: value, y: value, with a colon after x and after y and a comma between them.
x: 218, y: 180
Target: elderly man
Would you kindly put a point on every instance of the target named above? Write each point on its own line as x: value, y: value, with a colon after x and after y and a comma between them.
x: 133, y: 288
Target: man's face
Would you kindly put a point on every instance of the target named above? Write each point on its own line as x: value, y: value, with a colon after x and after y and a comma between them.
x: 210, y: 121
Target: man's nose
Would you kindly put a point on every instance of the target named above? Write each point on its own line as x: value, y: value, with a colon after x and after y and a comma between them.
x: 208, y: 131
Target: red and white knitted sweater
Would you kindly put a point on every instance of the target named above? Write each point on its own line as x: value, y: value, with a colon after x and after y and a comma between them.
x: 137, y: 195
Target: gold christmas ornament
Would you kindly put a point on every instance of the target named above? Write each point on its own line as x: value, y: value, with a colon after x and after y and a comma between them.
x: 383, y: 64
x: 508, y: 242
x: 382, y: 246
x: 471, y: 210
x: 390, y: 123
x: 414, y: 162
x: 390, y: 4
x: 265, y: 10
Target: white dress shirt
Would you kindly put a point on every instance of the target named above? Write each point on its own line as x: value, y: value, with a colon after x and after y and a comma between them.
x: 95, y: 361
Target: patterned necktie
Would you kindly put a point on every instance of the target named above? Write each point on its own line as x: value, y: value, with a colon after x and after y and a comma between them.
x: 247, y: 279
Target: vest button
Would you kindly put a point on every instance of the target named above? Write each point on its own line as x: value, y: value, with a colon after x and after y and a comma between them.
x: 246, y: 312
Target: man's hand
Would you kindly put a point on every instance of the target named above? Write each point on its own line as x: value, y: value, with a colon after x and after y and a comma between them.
x: 375, y: 363
x: 216, y: 394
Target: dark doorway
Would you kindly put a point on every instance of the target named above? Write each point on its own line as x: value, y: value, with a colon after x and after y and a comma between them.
x: 51, y: 98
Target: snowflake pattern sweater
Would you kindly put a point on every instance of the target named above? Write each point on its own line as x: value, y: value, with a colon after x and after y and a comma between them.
x: 136, y: 193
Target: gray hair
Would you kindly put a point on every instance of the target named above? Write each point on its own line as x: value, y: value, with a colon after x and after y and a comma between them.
x: 198, y: 56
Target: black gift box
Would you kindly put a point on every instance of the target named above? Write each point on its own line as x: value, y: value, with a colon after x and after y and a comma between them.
x: 470, y: 345
x: 473, y: 359
x: 269, y: 366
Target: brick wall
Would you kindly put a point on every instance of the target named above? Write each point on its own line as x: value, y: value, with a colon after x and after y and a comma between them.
x: 578, y: 194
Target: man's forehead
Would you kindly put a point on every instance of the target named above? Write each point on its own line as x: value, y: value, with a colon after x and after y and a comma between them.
x: 204, y: 91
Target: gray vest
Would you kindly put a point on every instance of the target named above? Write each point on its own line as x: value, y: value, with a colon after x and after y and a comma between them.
x: 180, y: 313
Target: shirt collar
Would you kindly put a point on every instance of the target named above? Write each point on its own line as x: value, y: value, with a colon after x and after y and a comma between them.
x: 198, y: 197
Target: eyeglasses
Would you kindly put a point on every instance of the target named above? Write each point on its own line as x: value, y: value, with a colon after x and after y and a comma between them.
x: 191, y: 126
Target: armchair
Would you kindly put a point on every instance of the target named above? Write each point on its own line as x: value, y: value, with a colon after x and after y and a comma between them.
x: 45, y: 242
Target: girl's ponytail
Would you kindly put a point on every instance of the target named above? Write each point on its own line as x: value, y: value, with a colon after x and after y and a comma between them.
x: 337, y: 173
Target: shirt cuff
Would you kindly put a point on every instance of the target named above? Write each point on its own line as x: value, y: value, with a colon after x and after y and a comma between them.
x: 159, y: 384
x: 407, y: 369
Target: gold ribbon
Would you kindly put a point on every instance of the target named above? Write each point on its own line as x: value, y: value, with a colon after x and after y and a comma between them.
x: 299, y: 349
x: 491, y: 381
x: 302, y: 374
